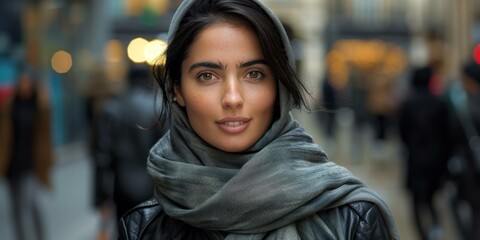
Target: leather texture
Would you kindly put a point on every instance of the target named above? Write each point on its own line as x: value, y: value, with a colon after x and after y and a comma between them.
x: 148, y: 221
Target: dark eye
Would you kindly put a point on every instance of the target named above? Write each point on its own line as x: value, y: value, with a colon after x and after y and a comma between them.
x: 255, y: 75
x: 206, y: 76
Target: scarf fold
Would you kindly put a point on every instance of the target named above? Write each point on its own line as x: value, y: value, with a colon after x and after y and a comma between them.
x: 281, y: 179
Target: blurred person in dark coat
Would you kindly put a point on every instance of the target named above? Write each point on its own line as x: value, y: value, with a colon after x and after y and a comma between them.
x: 329, y: 97
x: 126, y: 131
x: 465, y: 165
x: 26, y: 151
x: 423, y: 126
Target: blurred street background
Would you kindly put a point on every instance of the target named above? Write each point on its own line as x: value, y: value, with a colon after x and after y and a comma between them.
x: 355, y: 57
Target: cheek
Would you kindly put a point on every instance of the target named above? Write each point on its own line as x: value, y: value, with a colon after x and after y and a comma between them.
x: 264, y: 98
x: 269, y: 105
x: 198, y: 104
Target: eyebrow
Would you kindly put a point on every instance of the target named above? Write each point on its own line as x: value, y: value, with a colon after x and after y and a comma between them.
x: 220, y: 66
x: 253, y: 62
x: 206, y: 65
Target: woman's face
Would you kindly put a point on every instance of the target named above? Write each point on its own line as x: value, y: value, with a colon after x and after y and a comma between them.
x: 227, y: 88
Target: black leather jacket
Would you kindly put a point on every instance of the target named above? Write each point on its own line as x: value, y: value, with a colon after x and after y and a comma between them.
x: 148, y: 221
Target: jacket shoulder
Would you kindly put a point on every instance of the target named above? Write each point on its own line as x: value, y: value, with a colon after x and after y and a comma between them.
x: 149, y: 221
x: 365, y: 220
x: 134, y: 222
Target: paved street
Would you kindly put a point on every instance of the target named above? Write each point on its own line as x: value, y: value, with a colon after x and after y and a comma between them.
x: 65, y: 207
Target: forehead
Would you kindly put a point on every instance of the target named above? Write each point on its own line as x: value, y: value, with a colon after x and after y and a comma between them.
x: 226, y: 38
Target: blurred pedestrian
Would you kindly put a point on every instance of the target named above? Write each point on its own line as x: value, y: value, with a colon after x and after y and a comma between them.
x: 26, y: 152
x: 465, y: 165
x: 424, y: 131
x: 436, y: 61
x: 329, y: 104
x: 234, y: 163
x: 126, y: 132
x: 96, y: 91
x: 380, y: 102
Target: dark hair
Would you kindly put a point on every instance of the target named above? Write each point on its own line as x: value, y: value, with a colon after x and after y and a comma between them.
x: 421, y: 77
x: 202, y: 14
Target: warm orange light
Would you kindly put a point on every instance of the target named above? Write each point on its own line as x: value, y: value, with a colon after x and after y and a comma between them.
x: 133, y: 7
x: 159, y: 6
x: 61, y: 62
x: 114, y: 51
x: 368, y: 57
x: 136, y: 7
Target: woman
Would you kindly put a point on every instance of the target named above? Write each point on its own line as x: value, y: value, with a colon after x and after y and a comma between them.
x: 235, y: 165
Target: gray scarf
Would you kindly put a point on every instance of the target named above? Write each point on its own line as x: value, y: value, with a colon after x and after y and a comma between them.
x: 272, y: 189
x: 282, y: 179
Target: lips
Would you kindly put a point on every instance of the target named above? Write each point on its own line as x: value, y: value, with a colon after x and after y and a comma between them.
x: 233, y: 124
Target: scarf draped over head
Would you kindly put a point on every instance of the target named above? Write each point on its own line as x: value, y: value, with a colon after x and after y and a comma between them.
x: 283, y: 178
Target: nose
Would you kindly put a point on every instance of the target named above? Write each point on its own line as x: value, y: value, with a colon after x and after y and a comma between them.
x: 233, y: 95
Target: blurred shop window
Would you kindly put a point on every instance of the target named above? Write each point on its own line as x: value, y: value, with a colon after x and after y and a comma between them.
x: 367, y: 56
x: 141, y: 7
x: 370, y: 11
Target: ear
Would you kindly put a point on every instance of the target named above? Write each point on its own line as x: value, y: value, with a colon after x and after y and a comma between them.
x: 179, y: 96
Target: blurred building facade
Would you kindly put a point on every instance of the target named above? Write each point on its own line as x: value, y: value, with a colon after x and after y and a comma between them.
x: 78, y: 47
x: 406, y: 23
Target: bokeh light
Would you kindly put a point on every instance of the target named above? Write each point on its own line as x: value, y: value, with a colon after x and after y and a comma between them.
x: 114, y: 51
x: 61, y: 62
x: 136, y: 49
x: 476, y: 54
x: 154, y: 50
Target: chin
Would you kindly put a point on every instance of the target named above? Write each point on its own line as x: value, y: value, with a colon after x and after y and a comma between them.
x: 234, y: 148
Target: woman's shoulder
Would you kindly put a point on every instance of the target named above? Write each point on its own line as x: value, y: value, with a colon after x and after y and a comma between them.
x: 136, y: 221
x: 362, y: 220
x: 148, y: 221
x: 361, y: 209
